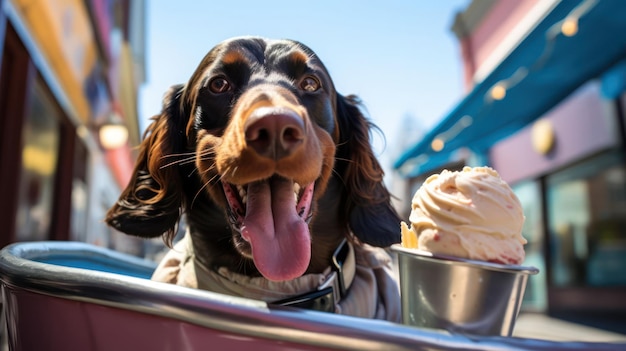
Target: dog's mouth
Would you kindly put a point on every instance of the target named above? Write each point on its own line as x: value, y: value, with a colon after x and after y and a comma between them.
x: 272, y: 216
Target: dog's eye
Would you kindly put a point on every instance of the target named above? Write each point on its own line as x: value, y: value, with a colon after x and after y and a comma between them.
x: 309, y: 84
x: 219, y: 85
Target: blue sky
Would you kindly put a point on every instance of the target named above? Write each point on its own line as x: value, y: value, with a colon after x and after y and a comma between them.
x: 400, y: 57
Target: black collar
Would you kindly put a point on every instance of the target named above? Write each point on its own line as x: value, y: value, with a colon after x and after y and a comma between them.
x: 332, y: 290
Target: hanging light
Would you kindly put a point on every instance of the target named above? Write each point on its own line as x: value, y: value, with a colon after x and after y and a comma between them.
x: 113, y: 134
x: 569, y: 28
x: 437, y: 144
x: 498, y: 92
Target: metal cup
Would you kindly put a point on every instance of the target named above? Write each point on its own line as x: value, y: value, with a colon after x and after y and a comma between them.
x: 460, y: 295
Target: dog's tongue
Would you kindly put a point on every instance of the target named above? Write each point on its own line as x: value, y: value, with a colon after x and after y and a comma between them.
x: 280, y: 240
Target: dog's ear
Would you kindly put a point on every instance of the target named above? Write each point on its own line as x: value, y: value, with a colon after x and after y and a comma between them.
x: 151, y: 203
x: 371, y: 216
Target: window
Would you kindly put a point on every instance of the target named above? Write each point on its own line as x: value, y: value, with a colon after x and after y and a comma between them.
x: 36, y: 190
x: 587, y: 223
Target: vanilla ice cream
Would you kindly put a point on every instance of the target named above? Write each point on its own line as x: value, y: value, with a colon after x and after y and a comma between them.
x: 470, y: 214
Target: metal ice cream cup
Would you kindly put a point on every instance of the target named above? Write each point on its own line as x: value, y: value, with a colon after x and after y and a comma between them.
x: 460, y: 295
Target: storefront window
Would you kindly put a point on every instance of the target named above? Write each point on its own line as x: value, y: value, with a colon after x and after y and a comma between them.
x: 529, y: 194
x: 39, y: 167
x: 587, y: 221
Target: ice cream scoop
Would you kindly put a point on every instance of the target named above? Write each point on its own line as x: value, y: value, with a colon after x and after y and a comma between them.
x: 471, y: 214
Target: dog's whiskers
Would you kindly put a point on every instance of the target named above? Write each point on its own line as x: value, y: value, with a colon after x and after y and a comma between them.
x: 213, y: 178
x: 342, y: 144
x: 209, y: 169
x: 233, y: 171
x: 191, y: 157
x: 207, y: 155
x: 339, y: 176
x: 207, y: 152
x: 344, y: 159
x: 242, y: 266
x: 194, y: 170
x: 181, y: 161
x: 190, y: 153
x: 198, y: 193
x: 206, y: 184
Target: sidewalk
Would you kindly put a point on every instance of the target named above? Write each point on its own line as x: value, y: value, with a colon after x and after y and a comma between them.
x: 539, y: 326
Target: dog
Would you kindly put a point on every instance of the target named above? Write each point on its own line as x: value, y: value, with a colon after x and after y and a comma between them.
x: 276, y: 178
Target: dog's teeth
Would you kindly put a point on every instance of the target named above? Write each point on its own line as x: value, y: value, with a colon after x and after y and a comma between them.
x: 242, y: 193
x: 296, y: 191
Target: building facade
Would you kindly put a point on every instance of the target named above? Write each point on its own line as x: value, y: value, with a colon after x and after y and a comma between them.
x: 70, y: 72
x: 545, y: 107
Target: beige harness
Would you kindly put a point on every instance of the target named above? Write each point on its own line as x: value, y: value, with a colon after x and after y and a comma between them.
x: 370, y: 284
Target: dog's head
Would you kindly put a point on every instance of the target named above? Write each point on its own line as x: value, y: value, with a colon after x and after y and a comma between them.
x: 260, y: 133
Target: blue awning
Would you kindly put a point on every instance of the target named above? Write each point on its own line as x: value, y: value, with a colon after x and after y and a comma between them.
x: 545, y: 68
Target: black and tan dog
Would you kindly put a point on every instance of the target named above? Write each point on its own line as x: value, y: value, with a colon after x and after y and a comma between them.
x: 274, y: 172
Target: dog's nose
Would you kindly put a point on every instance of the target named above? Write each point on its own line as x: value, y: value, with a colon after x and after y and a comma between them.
x: 274, y: 133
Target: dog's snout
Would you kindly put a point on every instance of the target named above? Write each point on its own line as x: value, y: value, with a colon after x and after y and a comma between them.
x: 274, y: 133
